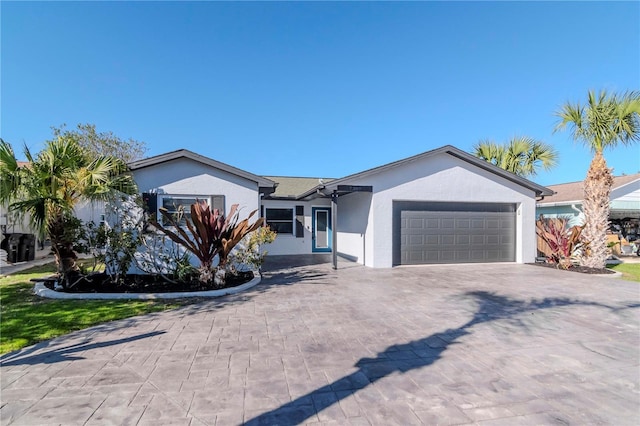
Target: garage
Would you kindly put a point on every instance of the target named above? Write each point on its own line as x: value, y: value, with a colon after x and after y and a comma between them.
x: 446, y: 232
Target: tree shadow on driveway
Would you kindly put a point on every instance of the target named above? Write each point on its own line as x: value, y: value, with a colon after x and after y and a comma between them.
x: 65, y: 353
x: 427, y: 351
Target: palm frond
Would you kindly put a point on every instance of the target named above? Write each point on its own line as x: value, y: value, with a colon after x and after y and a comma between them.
x: 605, y: 121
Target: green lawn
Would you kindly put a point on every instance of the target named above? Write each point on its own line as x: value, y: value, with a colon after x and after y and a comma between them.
x: 26, y: 319
x: 630, y: 271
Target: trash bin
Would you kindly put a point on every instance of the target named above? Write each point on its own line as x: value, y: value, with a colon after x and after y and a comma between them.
x: 10, y: 245
x: 27, y: 248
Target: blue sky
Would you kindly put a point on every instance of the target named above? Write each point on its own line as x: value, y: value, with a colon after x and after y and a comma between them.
x: 315, y: 89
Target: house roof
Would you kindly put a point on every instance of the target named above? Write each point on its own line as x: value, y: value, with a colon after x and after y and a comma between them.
x: 185, y: 153
x: 291, y: 187
x: 304, y: 187
x: 448, y: 149
x: 573, y: 192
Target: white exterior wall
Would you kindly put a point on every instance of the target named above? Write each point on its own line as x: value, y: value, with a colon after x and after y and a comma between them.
x: 13, y: 225
x: 439, y: 178
x: 90, y: 211
x: 286, y: 244
x: 186, y: 177
x: 191, y: 178
x: 355, y: 236
x: 84, y: 210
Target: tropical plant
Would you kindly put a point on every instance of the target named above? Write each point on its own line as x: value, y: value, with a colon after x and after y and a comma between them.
x: 605, y: 121
x: 250, y: 252
x: 563, y: 242
x: 234, y: 231
x: 53, y: 182
x: 207, y: 235
x: 522, y: 156
x: 160, y: 256
x: 119, y: 241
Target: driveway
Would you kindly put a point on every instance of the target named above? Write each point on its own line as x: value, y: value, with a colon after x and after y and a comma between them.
x: 497, y: 344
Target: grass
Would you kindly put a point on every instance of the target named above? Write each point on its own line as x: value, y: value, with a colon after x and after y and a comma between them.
x: 630, y: 271
x: 26, y: 319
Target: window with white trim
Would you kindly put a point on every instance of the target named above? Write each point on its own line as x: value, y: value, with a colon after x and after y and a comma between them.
x: 180, y: 205
x: 280, y: 220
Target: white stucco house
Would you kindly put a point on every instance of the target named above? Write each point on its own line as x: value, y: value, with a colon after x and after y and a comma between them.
x: 441, y: 206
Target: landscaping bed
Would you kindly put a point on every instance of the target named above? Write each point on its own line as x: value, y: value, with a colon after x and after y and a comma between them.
x: 576, y: 268
x: 102, y: 283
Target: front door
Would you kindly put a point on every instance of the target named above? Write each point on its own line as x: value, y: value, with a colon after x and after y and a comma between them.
x: 321, y: 225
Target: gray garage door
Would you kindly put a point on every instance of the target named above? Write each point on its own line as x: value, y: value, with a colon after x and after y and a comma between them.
x: 429, y: 232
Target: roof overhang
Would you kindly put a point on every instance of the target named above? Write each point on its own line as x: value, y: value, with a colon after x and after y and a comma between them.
x: 327, y: 189
x: 184, y: 153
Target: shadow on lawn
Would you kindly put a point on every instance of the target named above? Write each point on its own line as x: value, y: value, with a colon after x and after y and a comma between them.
x: 64, y: 353
x: 428, y: 350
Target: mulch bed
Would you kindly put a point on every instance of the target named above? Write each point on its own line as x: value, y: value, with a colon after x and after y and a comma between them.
x: 576, y: 268
x: 101, y: 283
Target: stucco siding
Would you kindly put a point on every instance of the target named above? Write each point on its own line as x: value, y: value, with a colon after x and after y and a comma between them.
x: 286, y: 244
x: 443, y: 178
x: 90, y: 211
x: 187, y: 177
x: 354, y: 214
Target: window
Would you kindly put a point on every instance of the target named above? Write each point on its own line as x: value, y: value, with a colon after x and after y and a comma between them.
x: 280, y: 220
x: 175, y: 203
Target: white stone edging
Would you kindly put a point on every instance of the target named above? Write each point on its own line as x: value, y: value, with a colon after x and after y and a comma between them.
x: 41, y: 290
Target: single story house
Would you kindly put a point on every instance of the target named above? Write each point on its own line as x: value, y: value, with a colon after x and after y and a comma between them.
x: 441, y: 206
x: 625, y: 204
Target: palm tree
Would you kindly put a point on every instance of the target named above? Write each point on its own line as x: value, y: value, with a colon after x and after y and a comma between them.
x: 606, y: 121
x: 48, y: 188
x: 521, y: 155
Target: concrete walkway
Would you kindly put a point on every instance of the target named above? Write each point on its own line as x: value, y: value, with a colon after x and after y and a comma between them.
x: 473, y: 344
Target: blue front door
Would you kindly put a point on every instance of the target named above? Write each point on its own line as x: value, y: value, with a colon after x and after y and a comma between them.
x: 321, y: 225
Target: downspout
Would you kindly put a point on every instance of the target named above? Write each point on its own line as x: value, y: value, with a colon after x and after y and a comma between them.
x: 260, y: 209
x: 334, y: 228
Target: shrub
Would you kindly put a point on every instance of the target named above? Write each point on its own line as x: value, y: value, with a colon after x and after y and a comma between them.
x: 208, y: 234
x: 563, y: 241
x: 249, y: 252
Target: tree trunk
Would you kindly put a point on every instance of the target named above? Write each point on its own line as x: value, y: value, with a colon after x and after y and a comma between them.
x: 597, y: 189
x: 66, y: 257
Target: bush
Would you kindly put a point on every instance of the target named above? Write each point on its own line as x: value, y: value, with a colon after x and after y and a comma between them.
x: 563, y: 241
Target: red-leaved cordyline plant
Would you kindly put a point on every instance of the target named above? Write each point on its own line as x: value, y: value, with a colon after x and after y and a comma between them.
x: 562, y: 241
x: 234, y: 231
x: 208, y: 234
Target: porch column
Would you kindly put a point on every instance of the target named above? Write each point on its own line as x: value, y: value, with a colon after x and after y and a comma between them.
x: 334, y: 228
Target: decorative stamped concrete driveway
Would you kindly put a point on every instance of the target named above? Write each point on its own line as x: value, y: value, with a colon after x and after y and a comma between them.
x: 469, y: 344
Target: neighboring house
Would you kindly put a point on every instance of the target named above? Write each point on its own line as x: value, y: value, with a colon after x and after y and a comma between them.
x: 20, y: 230
x: 441, y: 206
x: 625, y: 204
x: 10, y: 223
